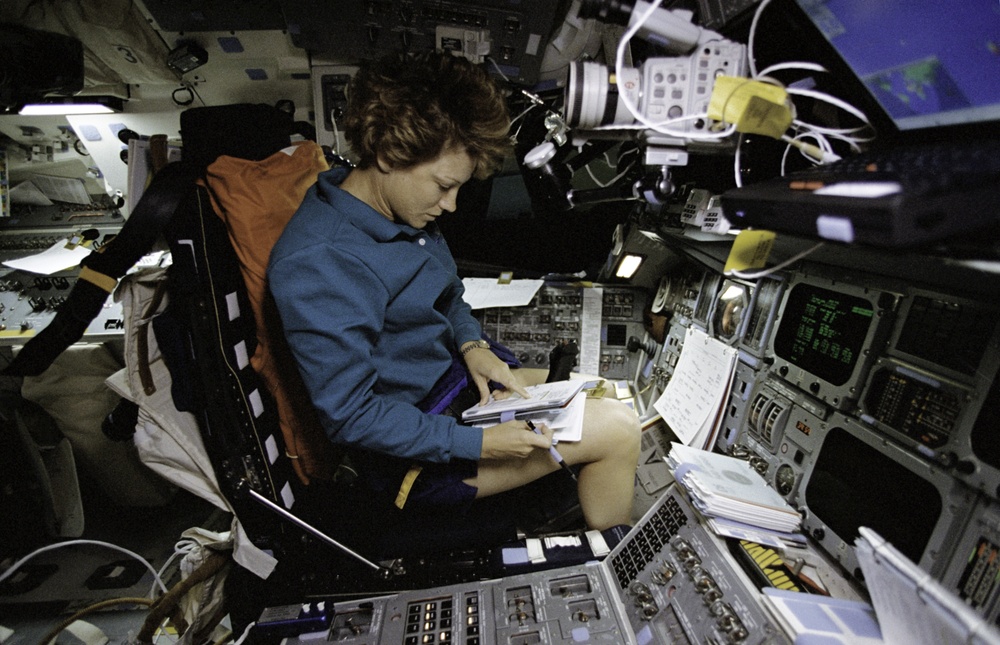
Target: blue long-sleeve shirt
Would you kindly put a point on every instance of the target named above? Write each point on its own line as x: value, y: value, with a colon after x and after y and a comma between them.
x: 372, y: 310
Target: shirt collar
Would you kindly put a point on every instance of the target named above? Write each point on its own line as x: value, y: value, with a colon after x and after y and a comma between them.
x: 360, y: 214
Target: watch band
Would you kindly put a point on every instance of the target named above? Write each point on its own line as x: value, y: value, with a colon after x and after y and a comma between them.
x: 476, y: 344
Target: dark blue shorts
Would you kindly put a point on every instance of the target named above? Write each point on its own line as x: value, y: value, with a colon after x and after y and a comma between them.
x: 437, y: 484
x: 443, y: 484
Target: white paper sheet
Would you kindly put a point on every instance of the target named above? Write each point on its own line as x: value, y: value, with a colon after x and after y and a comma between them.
x: 52, y: 260
x: 62, y: 189
x: 912, y: 606
x: 697, y: 391
x: 28, y: 193
x: 481, y: 293
x: 590, y: 331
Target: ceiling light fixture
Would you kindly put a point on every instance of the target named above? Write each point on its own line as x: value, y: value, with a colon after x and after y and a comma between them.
x: 628, y: 266
x: 60, y: 105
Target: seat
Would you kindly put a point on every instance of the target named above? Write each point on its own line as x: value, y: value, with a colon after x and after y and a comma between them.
x: 322, y: 526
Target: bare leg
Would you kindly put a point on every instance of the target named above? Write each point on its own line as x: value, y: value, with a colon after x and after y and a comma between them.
x: 609, y: 452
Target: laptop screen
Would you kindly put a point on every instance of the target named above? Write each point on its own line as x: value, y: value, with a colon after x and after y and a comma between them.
x: 927, y: 63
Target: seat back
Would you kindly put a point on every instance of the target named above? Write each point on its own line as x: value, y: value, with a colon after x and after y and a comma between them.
x: 207, y: 334
x: 211, y: 315
x: 235, y: 372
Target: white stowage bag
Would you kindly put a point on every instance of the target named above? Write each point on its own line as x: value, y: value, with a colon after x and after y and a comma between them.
x: 169, y: 441
x: 73, y: 391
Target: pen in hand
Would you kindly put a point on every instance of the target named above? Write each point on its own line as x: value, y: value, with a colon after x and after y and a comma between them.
x: 555, y: 453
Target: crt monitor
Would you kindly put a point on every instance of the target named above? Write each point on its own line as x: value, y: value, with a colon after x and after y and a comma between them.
x: 823, y: 331
x: 853, y: 484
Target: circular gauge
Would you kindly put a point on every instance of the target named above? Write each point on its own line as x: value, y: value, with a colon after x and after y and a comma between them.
x: 784, y: 479
x: 730, y: 306
x: 662, y: 296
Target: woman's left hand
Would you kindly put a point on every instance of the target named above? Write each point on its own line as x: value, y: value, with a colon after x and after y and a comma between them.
x: 485, y: 367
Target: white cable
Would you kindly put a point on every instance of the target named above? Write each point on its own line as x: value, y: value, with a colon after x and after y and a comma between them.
x: 182, y: 547
x: 336, y: 133
x: 611, y: 181
x: 736, y: 162
x: 497, y: 68
x: 522, y: 114
x: 832, y: 100
x: 803, y: 65
x: 822, y: 152
x: 843, y: 132
x: 852, y: 142
x: 17, y: 565
x: 246, y: 632
x: 752, y: 36
x: 853, y: 136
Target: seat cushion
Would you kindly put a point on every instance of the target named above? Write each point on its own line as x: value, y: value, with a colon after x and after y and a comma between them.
x: 256, y: 199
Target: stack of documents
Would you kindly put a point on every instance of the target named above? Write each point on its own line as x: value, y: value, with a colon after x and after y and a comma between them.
x: 558, y: 406
x: 726, y: 487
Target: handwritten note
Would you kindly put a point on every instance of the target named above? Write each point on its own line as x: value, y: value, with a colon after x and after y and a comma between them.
x: 697, y: 391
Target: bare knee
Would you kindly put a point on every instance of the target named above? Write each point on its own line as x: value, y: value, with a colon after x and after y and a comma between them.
x: 619, y: 427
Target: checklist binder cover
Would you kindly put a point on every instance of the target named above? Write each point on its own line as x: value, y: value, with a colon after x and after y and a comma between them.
x: 545, y: 396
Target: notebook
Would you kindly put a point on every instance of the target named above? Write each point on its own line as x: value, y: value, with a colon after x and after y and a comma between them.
x: 925, y: 74
x: 544, y: 396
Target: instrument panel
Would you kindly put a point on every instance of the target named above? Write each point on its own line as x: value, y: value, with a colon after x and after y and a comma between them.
x: 863, y: 400
x: 600, y: 319
x: 668, y: 581
x: 512, y: 35
x: 28, y: 300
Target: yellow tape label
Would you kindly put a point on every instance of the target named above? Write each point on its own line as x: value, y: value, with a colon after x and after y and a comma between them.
x: 750, y: 250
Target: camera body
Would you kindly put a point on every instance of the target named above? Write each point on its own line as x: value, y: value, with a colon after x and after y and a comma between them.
x: 662, y: 98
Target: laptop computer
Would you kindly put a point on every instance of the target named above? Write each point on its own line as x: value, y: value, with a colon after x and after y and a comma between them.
x: 912, y: 607
x: 927, y: 74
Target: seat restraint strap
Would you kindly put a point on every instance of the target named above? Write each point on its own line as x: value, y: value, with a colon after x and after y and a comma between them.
x: 99, y: 279
x: 404, y: 488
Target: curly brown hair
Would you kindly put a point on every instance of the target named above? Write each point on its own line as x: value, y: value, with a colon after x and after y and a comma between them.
x: 405, y: 109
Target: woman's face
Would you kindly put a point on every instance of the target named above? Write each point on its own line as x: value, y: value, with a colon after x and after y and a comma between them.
x: 418, y: 195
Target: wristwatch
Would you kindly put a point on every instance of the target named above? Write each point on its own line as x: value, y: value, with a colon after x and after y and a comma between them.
x: 476, y: 344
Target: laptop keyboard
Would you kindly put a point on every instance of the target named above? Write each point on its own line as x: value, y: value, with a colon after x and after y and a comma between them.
x: 920, y: 170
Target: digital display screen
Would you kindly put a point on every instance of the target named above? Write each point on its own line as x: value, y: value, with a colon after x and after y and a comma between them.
x: 950, y: 333
x: 921, y: 60
x: 847, y: 489
x: 617, y: 335
x: 823, y: 331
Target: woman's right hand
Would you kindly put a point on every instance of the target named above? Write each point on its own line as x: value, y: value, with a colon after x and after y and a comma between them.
x: 514, y: 440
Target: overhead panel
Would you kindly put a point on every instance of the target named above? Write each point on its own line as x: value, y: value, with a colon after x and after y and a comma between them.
x: 510, y: 33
